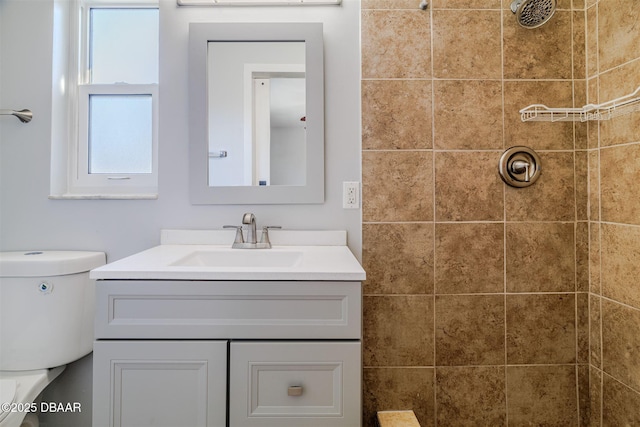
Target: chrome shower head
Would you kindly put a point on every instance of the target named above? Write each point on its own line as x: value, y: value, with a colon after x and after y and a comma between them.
x: 533, y: 13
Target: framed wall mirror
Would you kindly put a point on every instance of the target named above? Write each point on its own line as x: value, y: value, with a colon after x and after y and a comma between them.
x: 256, y: 113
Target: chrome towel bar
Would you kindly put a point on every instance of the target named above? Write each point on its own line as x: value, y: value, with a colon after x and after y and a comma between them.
x: 24, y: 116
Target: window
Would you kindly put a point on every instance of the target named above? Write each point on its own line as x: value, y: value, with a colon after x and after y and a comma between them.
x: 116, y: 148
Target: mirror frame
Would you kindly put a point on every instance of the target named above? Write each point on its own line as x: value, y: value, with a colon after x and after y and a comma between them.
x: 200, y: 34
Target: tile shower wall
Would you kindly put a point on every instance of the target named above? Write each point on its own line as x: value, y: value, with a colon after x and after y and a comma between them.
x: 613, y: 67
x: 476, y: 306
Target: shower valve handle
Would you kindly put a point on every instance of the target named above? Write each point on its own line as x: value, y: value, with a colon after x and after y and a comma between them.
x: 520, y: 166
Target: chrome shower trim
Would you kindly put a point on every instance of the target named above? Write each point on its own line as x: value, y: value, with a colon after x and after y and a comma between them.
x: 533, y: 13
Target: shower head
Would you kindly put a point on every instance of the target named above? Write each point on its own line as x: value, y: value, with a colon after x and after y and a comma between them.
x: 533, y: 13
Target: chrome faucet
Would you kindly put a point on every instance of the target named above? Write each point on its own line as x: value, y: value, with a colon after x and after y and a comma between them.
x: 250, y: 220
x: 251, y: 242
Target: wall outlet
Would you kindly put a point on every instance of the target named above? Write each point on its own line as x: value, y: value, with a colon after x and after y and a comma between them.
x: 351, y: 195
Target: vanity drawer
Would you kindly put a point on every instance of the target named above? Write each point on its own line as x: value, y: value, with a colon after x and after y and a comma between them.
x: 300, y: 384
x: 227, y: 309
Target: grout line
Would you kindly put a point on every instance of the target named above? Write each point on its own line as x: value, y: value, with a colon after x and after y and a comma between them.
x: 620, y: 303
x: 454, y: 150
x: 504, y: 227
x: 624, y: 144
x: 513, y: 365
x: 434, y: 195
x: 619, y: 382
x: 490, y: 222
x: 484, y: 294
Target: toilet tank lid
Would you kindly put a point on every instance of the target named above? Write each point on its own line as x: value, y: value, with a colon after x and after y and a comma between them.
x: 48, y: 263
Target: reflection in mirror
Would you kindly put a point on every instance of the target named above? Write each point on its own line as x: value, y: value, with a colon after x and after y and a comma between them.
x: 256, y: 113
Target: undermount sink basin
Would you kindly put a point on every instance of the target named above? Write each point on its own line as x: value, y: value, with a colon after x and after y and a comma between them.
x: 234, y: 258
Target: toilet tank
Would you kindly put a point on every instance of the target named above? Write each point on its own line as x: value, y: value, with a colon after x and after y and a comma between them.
x: 47, y: 307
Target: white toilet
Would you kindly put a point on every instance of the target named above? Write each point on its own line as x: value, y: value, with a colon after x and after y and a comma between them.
x: 46, y: 321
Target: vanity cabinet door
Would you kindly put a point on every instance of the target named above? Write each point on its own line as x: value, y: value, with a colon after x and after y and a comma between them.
x: 159, y: 383
x: 302, y: 384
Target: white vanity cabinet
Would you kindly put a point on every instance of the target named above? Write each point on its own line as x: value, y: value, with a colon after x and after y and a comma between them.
x: 159, y: 383
x: 192, y: 353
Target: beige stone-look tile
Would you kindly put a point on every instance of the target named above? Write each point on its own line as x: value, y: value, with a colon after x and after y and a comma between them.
x: 618, y: 35
x: 595, y: 395
x: 620, y: 254
x: 388, y: 4
x: 471, y: 396
x: 537, y: 135
x: 593, y: 127
x: 579, y: 44
x: 454, y: 56
x: 595, y: 336
x: 620, y: 82
x: 386, y: 389
x: 584, y: 402
x: 468, y: 187
x: 621, y: 343
x: 469, y: 258
x: 564, y: 5
x: 582, y: 184
x: 620, y: 130
x: 592, y: 42
x: 457, y: 122
x: 594, y: 259
x: 398, y: 330
x: 551, y: 197
x: 396, y: 114
x: 619, y: 176
x: 469, y: 330
x: 594, y: 185
x: 396, y: 44
x: 542, y: 396
x: 398, y: 258
x: 541, y: 329
x: 464, y: 4
x: 581, y: 129
x: 578, y: 4
x: 542, y: 53
x: 540, y: 257
x: 593, y: 83
x: 582, y: 256
x: 619, y: 404
x: 580, y: 97
x: 582, y: 327
x: 397, y: 186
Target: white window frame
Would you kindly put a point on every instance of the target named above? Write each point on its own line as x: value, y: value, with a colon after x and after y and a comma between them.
x: 82, y: 184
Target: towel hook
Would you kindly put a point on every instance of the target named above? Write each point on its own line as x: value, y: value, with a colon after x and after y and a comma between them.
x: 423, y: 5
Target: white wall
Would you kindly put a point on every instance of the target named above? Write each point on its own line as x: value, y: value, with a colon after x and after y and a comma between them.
x: 29, y: 220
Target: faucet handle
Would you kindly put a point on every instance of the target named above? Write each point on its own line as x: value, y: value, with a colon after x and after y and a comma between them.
x: 265, y: 234
x: 239, y: 238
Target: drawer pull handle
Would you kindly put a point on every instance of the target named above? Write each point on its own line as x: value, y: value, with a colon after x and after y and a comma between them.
x: 295, y: 390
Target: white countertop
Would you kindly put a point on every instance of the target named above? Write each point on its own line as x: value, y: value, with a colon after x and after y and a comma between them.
x: 327, y: 259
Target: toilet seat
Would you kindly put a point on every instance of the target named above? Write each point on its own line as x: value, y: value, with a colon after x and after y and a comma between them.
x: 23, y: 387
x: 7, y: 395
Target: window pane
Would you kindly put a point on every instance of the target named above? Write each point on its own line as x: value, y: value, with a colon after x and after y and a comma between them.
x: 120, y: 134
x: 124, y: 46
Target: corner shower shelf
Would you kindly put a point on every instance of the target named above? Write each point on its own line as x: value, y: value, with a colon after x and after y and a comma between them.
x: 624, y: 105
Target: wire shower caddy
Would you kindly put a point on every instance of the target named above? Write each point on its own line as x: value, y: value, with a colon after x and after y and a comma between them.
x: 624, y: 105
